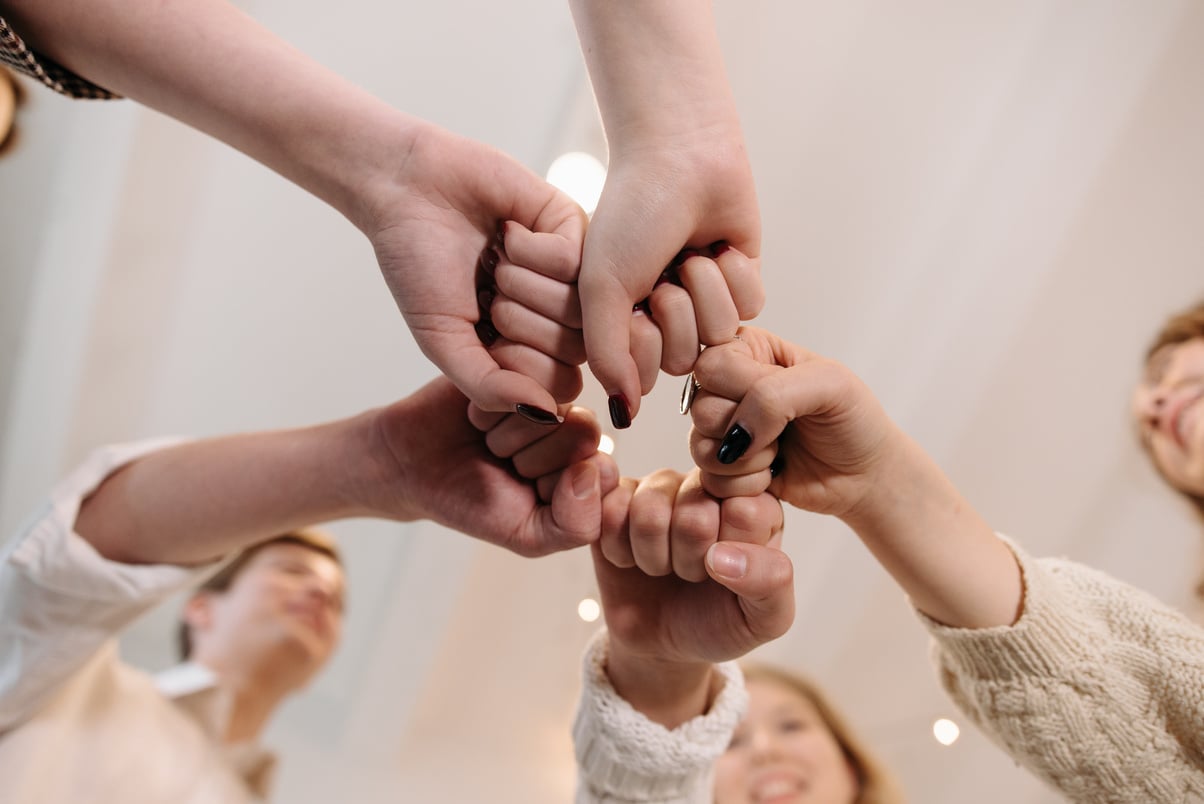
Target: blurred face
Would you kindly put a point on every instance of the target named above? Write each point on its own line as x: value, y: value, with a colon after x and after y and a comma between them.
x: 288, y: 599
x: 783, y: 753
x: 1169, y: 411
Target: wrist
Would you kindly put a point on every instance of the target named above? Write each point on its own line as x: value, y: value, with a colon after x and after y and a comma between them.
x: 666, y: 692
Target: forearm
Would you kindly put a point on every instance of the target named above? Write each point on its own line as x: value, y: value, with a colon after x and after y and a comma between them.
x: 656, y: 68
x: 936, y: 546
x: 212, y: 67
x: 199, y: 501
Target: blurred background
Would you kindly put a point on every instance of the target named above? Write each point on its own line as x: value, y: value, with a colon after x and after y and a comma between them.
x: 985, y: 209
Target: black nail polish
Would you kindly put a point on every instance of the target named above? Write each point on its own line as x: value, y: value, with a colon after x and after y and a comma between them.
x: 734, y: 445
x: 489, y: 261
x: 485, y: 297
x: 620, y: 412
x: 779, y: 464
x: 486, y: 332
x: 537, y: 415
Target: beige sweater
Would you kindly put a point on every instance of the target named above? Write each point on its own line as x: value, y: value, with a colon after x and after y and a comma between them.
x: 1098, y: 688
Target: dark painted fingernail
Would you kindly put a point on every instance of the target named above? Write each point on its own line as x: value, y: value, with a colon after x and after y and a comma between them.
x: 720, y: 247
x: 486, y: 332
x: 779, y: 463
x: 489, y: 261
x: 734, y: 444
x: 620, y: 412
x: 537, y: 415
x: 485, y: 297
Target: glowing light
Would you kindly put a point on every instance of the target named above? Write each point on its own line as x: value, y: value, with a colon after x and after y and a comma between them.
x: 581, y: 176
x: 589, y: 610
x: 945, y: 731
x: 606, y: 444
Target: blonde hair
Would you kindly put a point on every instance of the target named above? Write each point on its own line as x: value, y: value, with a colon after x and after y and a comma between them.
x: 876, y: 785
x: 223, y: 579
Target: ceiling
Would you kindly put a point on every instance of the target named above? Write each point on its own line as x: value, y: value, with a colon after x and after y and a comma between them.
x: 985, y: 209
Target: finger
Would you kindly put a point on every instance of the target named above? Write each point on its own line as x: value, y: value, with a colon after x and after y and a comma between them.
x: 752, y: 520
x: 673, y: 314
x: 734, y: 487
x: 775, y: 400
x: 615, y: 542
x: 743, y: 278
x: 549, y: 297
x: 705, y: 453
x: 515, y: 433
x: 695, y: 528
x: 572, y: 442
x: 729, y: 370
x: 467, y: 363
x: 609, y: 478
x: 650, y: 516
x: 714, y: 307
x: 484, y: 420
x: 606, y: 321
x: 520, y: 324
x: 574, y: 517
x: 763, y: 579
x: 646, y: 349
x: 555, y: 255
x: 710, y: 413
x: 560, y: 379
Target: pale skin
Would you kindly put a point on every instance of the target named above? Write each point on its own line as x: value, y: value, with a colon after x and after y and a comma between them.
x: 429, y: 201
x: 844, y: 456
x: 666, y: 633
x: 1168, y: 407
x: 270, y: 632
x: 783, y: 751
x: 678, y: 178
x: 432, y: 203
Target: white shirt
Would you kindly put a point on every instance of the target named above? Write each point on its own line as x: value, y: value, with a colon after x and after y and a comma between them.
x: 77, y: 723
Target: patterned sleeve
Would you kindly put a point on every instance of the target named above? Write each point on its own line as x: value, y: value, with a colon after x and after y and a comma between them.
x: 624, y: 758
x: 15, y: 54
x: 1098, y: 688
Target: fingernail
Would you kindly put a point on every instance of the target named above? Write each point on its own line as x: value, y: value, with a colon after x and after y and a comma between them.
x: 489, y: 261
x: 486, y: 332
x: 727, y: 561
x: 720, y: 247
x: 734, y: 444
x: 642, y: 307
x: 779, y: 463
x: 620, y: 412
x: 537, y: 415
x: 485, y: 297
x: 584, y: 483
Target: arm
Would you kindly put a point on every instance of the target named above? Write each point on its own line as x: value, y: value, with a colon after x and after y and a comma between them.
x: 659, y: 705
x: 678, y: 177
x: 430, y: 202
x: 840, y: 454
x: 1089, y: 683
x: 113, y: 540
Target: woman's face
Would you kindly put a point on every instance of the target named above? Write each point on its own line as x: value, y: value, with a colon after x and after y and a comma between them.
x: 783, y: 753
x: 1169, y: 407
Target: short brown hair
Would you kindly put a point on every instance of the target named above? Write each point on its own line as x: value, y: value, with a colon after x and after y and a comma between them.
x: 224, y: 578
x: 876, y: 785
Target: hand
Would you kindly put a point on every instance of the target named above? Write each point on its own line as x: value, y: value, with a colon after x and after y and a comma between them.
x: 665, y: 632
x: 694, y: 200
x: 762, y: 396
x: 546, y: 496
x: 436, y: 235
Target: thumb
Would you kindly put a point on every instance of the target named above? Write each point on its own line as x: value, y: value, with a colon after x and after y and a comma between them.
x: 467, y: 363
x: 606, y: 323
x: 762, y: 578
x: 575, y: 516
